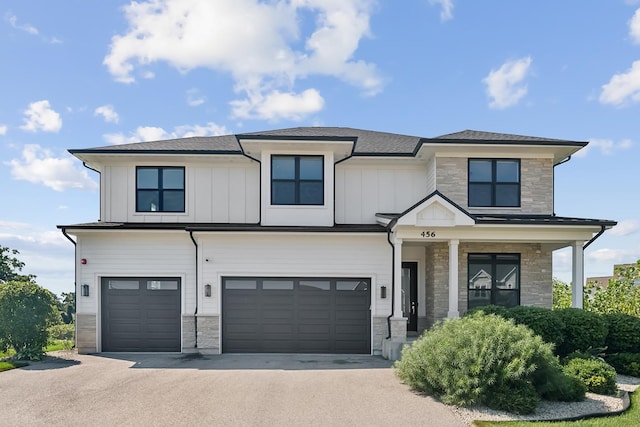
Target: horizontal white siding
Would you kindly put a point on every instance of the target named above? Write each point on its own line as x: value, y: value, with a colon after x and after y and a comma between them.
x: 293, y: 255
x: 134, y: 254
x: 214, y: 192
x: 364, y: 190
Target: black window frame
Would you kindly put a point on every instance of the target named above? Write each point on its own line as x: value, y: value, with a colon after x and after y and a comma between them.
x: 297, y: 180
x: 160, y: 189
x: 494, y: 184
x: 494, y: 260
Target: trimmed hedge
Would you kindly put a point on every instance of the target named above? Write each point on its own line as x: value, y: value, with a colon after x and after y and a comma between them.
x: 624, y: 333
x: 598, y: 376
x: 584, y: 331
x: 485, y: 359
x: 625, y: 363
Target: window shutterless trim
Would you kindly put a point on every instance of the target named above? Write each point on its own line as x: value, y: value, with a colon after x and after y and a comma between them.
x: 160, y: 189
x: 494, y: 183
x: 297, y: 180
x: 494, y: 260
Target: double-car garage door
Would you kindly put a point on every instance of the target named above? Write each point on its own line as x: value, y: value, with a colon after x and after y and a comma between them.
x: 296, y: 315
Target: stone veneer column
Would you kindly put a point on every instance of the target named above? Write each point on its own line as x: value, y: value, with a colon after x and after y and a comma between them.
x: 453, y: 279
x: 577, y: 284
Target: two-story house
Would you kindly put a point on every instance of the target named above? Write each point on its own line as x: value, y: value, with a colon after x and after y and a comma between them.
x: 315, y: 239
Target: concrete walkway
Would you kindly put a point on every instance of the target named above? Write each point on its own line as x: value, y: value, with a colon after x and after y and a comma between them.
x: 233, y: 390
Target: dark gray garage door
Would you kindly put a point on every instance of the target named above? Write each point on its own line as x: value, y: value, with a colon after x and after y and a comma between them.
x: 296, y: 315
x: 140, y: 314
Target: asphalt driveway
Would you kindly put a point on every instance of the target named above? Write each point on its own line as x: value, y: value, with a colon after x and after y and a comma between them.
x: 234, y: 390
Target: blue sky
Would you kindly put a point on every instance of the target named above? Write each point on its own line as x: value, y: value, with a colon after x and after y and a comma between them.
x: 83, y: 74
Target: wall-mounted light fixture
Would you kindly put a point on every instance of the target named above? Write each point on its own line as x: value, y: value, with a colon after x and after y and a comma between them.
x: 84, y: 290
x: 383, y: 292
x: 207, y: 290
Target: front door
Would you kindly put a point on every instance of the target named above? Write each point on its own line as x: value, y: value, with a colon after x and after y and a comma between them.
x: 410, y: 294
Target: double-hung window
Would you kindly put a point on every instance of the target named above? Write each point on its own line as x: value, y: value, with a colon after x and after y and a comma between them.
x: 159, y: 189
x: 494, y: 279
x: 297, y: 180
x: 494, y: 183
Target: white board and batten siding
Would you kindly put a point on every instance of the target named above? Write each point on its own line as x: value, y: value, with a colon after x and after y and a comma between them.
x: 217, y: 192
x: 294, y: 255
x: 364, y: 190
x: 134, y: 254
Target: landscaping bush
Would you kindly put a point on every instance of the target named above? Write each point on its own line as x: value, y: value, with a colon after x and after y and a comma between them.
x: 584, y: 331
x: 489, y: 309
x: 598, y: 376
x: 625, y: 363
x: 553, y: 384
x: 542, y: 321
x: 480, y: 359
x: 62, y: 332
x: 624, y: 333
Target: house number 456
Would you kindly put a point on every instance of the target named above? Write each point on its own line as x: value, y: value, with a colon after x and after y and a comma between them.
x: 428, y: 234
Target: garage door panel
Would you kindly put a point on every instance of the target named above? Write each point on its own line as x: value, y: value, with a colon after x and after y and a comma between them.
x: 140, y: 319
x: 309, y: 316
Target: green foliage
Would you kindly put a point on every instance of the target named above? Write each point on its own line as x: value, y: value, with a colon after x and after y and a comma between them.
x: 10, y: 266
x: 625, y: 363
x: 521, y: 398
x: 478, y: 359
x: 598, y: 376
x: 490, y: 309
x: 584, y: 330
x: 6, y: 366
x: 552, y: 383
x: 621, y: 296
x: 67, y: 307
x: 624, y: 333
x: 62, y: 332
x: 26, y: 310
x: 542, y: 321
x: 561, y: 295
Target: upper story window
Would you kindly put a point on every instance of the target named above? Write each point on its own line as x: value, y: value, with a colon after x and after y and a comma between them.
x: 159, y: 189
x: 494, y: 279
x: 297, y: 180
x: 494, y: 183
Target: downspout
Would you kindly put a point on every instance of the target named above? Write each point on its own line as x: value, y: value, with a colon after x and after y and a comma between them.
x: 75, y: 277
x: 393, y: 281
x: 195, y: 313
x: 602, y: 230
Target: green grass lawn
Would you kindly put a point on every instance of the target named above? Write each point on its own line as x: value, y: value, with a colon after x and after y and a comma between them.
x: 630, y: 418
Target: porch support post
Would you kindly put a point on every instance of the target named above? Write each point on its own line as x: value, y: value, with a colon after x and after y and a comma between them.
x: 577, y: 283
x: 397, y: 279
x: 453, y: 279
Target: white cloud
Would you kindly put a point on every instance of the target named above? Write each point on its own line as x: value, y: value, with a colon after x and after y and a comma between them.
x: 3, y: 129
x: 623, y: 87
x: 27, y: 28
x: 266, y: 55
x: 108, y: 113
x: 40, y: 116
x: 152, y: 133
x: 277, y: 105
x: 446, y: 12
x: 505, y: 85
x: 39, y: 166
x: 634, y: 27
x: 606, y: 146
x: 194, y: 98
x: 625, y: 227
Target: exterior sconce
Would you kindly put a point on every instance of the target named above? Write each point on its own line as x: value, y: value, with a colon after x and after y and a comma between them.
x: 207, y: 290
x: 84, y: 290
x: 383, y: 292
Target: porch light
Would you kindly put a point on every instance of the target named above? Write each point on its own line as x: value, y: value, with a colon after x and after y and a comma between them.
x: 84, y: 290
x: 207, y: 290
x: 383, y: 292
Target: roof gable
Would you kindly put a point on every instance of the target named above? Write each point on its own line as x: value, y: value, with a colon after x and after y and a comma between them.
x: 434, y: 211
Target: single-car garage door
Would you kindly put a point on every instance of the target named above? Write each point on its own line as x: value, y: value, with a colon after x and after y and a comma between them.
x: 296, y: 315
x: 140, y: 314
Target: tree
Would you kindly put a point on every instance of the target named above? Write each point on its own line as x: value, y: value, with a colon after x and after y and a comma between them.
x: 561, y: 294
x: 26, y: 310
x: 10, y: 266
x: 67, y: 307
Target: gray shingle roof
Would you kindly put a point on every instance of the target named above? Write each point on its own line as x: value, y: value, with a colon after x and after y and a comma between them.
x: 366, y: 141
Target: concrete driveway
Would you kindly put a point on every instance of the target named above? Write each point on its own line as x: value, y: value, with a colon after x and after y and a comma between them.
x: 234, y: 390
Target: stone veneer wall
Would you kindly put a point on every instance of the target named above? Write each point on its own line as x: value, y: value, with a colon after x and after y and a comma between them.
x: 380, y: 332
x: 536, y: 185
x: 86, y: 333
x: 188, y: 334
x: 209, y: 334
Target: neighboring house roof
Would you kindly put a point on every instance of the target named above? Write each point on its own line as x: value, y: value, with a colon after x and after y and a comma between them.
x: 366, y: 142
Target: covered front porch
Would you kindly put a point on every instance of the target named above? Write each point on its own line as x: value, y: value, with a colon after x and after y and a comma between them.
x: 446, y: 261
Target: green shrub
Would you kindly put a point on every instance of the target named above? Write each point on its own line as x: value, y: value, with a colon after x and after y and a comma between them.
x: 478, y: 359
x: 625, y: 363
x: 489, y: 309
x: 598, y: 376
x: 553, y: 384
x: 542, y: 321
x: 578, y: 355
x: 584, y: 330
x: 624, y: 333
x: 62, y: 332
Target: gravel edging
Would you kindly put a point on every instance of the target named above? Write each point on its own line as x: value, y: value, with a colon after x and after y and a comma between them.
x: 593, y: 405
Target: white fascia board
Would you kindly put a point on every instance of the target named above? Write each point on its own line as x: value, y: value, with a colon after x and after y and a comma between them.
x: 255, y: 147
x: 555, y: 152
x: 435, y: 212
